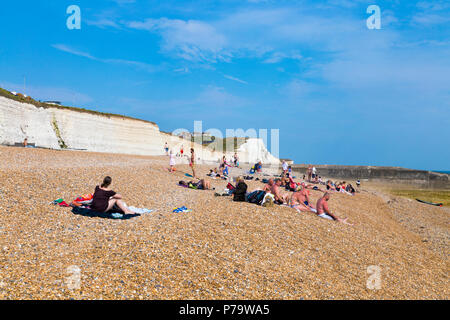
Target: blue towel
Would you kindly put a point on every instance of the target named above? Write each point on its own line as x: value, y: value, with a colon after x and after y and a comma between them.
x: 106, y: 215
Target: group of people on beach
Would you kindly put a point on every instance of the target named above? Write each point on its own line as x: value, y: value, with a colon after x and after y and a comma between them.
x: 105, y: 199
x: 300, y: 200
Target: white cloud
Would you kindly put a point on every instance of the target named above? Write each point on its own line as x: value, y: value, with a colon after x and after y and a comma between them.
x: 235, y: 79
x: 137, y: 64
x: 65, y: 48
x: 192, y: 40
x: 430, y: 19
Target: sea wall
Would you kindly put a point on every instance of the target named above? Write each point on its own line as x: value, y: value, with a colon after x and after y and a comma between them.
x: 72, y: 129
x: 427, y: 179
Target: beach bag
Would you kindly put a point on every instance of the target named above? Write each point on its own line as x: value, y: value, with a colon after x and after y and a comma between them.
x: 230, y: 186
x: 256, y: 196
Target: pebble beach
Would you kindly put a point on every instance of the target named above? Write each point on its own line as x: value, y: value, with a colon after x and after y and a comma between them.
x: 220, y: 250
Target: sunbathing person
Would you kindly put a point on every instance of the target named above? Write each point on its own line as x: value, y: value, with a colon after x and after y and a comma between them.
x: 202, y: 184
x: 297, y: 202
x: 213, y: 173
x: 240, y: 191
x: 324, y: 212
x: 280, y: 198
x: 330, y: 186
x: 303, y: 196
x: 268, y: 186
x: 310, y: 186
x: 104, y: 198
x: 350, y: 189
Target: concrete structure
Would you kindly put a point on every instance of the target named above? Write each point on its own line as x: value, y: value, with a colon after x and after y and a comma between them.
x: 426, y: 179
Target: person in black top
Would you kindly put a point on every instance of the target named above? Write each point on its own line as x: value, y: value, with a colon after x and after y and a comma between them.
x: 104, y: 198
x: 240, y: 191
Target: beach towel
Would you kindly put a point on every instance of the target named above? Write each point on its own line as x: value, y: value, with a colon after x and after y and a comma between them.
x: 106, y: 215
x: 60, y: 202
x: 83, y: 200
x: 141, y: 210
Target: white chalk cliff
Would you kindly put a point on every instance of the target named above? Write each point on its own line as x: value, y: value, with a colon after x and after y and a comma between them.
x: 68, y: 128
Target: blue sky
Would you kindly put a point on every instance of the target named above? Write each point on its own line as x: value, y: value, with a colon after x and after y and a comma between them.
x: 339, y: 92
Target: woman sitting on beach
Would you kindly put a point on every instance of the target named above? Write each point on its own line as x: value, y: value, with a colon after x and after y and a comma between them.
x: 330, y: 186
x: 104, y: 198
x: 239, y: 194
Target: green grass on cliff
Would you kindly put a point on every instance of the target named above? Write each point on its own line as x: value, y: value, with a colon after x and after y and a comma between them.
x: 21, y: 98
x: 436, y: 196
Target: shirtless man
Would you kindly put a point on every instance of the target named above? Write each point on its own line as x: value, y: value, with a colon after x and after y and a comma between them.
x: 303, y: 196
x: 275, y: 190
x: 268, y: 186
x: 192, y: 162
x: 297, y: 202
x: 324, y: 212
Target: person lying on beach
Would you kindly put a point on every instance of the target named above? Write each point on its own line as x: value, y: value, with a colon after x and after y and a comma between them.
x: 202, y: 184
x: 324, y: 212
x: 310, y: 186
x: 104, y: 198
x: 213, y: 173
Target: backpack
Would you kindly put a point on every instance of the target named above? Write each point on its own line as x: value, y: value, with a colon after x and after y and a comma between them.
x: 256, y: 196
x: 230, y: 186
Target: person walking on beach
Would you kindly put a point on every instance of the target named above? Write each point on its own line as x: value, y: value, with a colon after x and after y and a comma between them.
x: 171, y: 161
x: 181, y: 151
x: 314, y: 172
x: 284, y: 165
x: 192, y: 162
x: 104, y: 198
x: 166, y: 148
x: 309, y: 172
x: 324, y: 212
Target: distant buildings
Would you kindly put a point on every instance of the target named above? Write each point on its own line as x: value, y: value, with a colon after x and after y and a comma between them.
x: 205, y: 137
x: 57, y: 103
x: 288, y: 161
